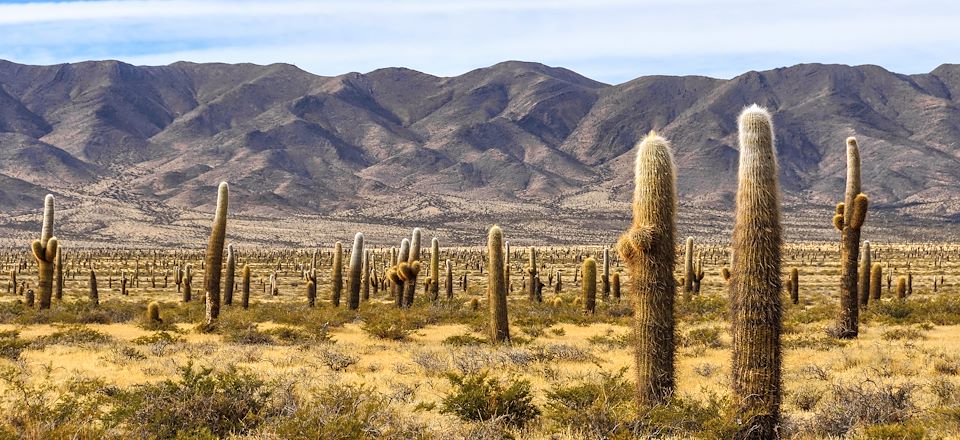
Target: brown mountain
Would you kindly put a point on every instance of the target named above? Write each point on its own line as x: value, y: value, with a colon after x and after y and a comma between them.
x: 135, y: 152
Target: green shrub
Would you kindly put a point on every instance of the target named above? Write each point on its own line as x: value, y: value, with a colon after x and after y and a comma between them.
x: 708, y: 337
x: 73, y: 335
x: 479, y: 397
x: 600, y: 407
x: 898, y: 431
x: 11, y: 345
x: 464, y: 340
x: 902, y: 334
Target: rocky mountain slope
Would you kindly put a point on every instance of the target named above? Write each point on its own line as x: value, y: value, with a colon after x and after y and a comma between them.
x: 136, y: 152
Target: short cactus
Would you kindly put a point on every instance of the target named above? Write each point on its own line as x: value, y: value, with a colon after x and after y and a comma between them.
x: 901, y: 287
x: 615, y: 285
x: 589, y: 288
x: 153, y: 313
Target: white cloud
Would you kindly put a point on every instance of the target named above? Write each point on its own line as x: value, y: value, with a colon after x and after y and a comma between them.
x: 610, y: 40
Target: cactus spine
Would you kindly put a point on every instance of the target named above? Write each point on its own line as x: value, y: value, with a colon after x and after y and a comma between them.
x: 45, y: 252
x: 496, y: 287
x: 755, y: 282
x: 863, y: 284
x: 213, y: 263
x: 876, y: 280
x: 647, y: 248
x: 434, y: 269
x: 589, y: 288
x: 337, y: 275
x: 245, y: 286
x: 854, y: 212
x: 356, y: 271
x: 229, y: 275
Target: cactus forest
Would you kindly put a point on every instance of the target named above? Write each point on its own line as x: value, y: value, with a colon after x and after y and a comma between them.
x: 655, y: 335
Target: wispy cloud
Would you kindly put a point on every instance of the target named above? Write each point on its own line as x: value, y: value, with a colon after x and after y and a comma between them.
x: 609, y: 40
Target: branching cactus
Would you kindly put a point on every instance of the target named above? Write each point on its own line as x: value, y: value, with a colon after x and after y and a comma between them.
x: 356, y: 262
x: 589, y: 289
x: 229, y: 275
x: 863, y: 284
x: 496, y: 287
x: 337, y: 275
x: 245, y: 286
x: 849, y: 219
x: 213, y: 263
x: 408, y: 274
x: 755, y: 281
x: 647, y: 248
x: 45, y: 252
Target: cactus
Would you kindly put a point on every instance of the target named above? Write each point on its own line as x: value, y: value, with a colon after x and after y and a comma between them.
x: 496, y: 287
x: 58, y: 274
x: 356, y: 271
x: 506, y: 267
x: 647, y: 248
x: 45, y: 252
x: 863, y: 284
x: 434, y: 269
x: 615, y: 285
x: 245, y: 287
x: 532, y: 270
x: 697, y: 275
x: 449, y: 281
x: 311, y: 288
x: 909, y: 283
x: 605, y: 277
x: 213, y: 262
x: 901, y: 287
x: 30, y: 297
x: 229, y: 275
x: 755, y: 282
x: 337, y: 275
x: 365, y: 283
x: 850, y: 220
x: 876, y: 277
x: 153, y: 313
x: 94, y: 294
x: 187, y: 280
x: 557, y: 288
x: 688, y: 272
x: 414, y: 246
x: 178, y: 278
x: 794, y: 285
x: 408, y: 274
x: 123, y: 283
x: 589, y: 289
x: 395, y: 278
x: 725, y: 273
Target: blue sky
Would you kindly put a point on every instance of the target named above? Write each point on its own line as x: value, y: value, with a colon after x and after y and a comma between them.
x: 608, y: 40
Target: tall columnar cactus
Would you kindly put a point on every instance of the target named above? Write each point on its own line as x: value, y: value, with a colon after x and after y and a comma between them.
x: 589, y: 289
x: 863, y: 284
x: 356, y: 263
x: 647, y: 248
x: 532, y: 270
x: 496, y: 287
x: 794, y: 285
x: 311, y: 288
x: 229, y: 275
x: 876, y: 281
x: 688, y: 269
x: 245, y: 287
x: 605, y: 277
x: 414, y: 246
x: 398, y: 283
x: 755, y: 282
x: 187, y: 282
x: 901, y: 287
x: 94, y: 294
x: 337, y: 275
x: 213, y: 263
x: 365, y: 284
x: 449, y: 282
x: 615, y: 285
x: 58, y: 274
x: 434, y: 269
x: 506, y: 266
x: 45, y: 252
x: 849, y: 219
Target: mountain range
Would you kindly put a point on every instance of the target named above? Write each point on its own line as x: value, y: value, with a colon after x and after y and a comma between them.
x: 134, y: 153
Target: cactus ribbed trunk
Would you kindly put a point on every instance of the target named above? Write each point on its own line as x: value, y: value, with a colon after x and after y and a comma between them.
x: 863, y: 284
x: 356, y: 271
x: 229, y: 275
x: 245, y: 286
x: 688, y: 270
x: 434, y: 269
x: 337, y: 275
x: 876, y: 280
x: 45, y: 252
x: 755, y: 281
x: 213, y: 263
x: 496, y: 287
x: 589, y: 289
x: 850, y: 221
x: 449, y: 282
x: 647, y: 248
